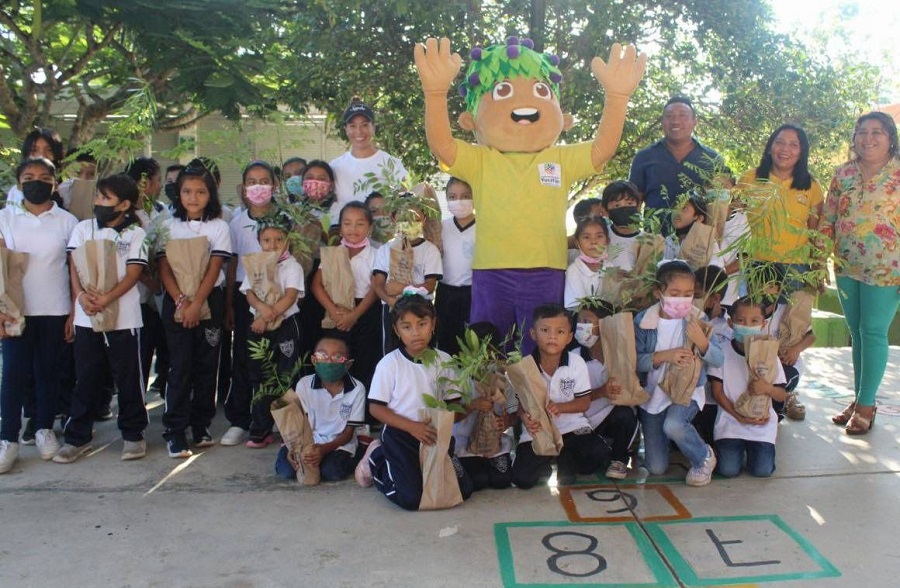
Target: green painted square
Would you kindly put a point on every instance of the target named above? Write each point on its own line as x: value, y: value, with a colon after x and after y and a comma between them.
x: 510, y: 537
x: 689, y: 577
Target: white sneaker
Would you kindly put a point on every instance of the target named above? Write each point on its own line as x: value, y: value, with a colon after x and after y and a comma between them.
x: 46, y: 442
x: 9, y: 453
x: 617, y: 470
x: 234, y: 436
x: 703, y: 475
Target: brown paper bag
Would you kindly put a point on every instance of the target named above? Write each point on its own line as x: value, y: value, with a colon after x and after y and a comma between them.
x: 337, y: 279
x: 797, y: 319
x: 12, y: 297
x: 697, y: 247
x: 485, y: 438
x: 296, y: 433
x: 97, y: 267
x: 620, y: 355
x: 531, y: 390
x: 717, y: 215
x: 82, y: 204
x: 261, y: 269
x: 762, y: 361
x: 650, y: 249
x: 431, y: 228
x: 189, y: 260
x: 311, y: 234
x: 440, y: 486
x: 402, y: 262
x: 680, y: 381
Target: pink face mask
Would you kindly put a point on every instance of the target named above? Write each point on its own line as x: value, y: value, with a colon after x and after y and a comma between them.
x: 317, y: 189
x: 677, y: 307
x: 259, y: 194
x: 360, y: 245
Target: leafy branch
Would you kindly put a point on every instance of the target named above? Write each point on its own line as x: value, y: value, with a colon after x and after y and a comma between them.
x: 275, y: 384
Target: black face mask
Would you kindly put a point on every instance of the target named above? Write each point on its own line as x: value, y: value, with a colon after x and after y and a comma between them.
x: 105, y: 214
x: 624, y: 216
x: 172, y: 191
x: 37, y: 192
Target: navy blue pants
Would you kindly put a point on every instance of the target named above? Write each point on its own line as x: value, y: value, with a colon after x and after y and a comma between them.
x: 619, y: 427
x: 33, y: 356
x: 334, y: 467
x: 237, y: 402
x: 284, y: 343
x: 452, y: 305
x: 582, y: 454
x: 398, y: 475
x: 493, y: 472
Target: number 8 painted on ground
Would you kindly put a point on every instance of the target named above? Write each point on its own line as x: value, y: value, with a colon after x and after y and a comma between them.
x: 552, y: 561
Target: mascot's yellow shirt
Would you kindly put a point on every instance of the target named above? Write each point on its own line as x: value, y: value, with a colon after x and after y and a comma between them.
x: 521, y: 201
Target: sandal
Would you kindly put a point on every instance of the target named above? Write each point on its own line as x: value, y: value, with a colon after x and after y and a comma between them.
x: 859, y: 424
x: 843, y: 417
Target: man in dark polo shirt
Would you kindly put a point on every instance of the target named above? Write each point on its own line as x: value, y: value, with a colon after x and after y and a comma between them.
x: 668, y: 167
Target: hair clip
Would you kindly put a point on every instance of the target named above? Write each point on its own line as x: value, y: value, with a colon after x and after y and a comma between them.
x: 414, y: 291
x: 663, y: 262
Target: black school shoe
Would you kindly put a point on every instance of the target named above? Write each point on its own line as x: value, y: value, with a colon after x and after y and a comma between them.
x: 29, y: 432
x: 178, y: 446
x: 202, y: 437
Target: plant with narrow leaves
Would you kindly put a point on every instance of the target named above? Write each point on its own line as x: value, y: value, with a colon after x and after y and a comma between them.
x: 275, y: 384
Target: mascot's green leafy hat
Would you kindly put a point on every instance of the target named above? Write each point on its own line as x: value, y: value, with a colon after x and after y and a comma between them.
x: 516, y: 59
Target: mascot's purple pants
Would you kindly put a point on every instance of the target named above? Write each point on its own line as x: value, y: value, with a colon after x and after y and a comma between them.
x: 507, y: 297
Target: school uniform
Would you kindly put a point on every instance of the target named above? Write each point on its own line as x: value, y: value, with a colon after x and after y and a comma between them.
x: 582, y: 451
x: 615, y: 425
x: 661, y: 420
x: 427, y: 263
x: 735, y: 440
x: 118, y: 350
x: 284, y: 343
x: 366, y: 334
x: 622, y: 249
x: 581, y: 282
x: 329, y: 416
x: 153, y: 336
x: 493, y: 471
x: 191, y: 393
x: 399, y: 384
x: 35, y: 355
x: 454, y: 292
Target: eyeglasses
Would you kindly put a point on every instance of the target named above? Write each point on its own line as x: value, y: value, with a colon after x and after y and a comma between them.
x: 321, y: 356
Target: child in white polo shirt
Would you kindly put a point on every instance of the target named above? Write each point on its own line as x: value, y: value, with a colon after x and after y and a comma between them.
x: 284, y: 341
x: 40, y: 228
x: 454, y: 292
x: 334, y: 402
x: 117, y: 350
x: 569, y: 395
x: 738, y: 438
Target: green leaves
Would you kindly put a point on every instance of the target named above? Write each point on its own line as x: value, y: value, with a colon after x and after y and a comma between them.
x: 275, y: 384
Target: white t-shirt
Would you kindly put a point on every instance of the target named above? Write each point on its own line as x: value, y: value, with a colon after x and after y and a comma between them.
x: 734, y: 375
x: 427, y: 261
x: 622, y: 251
x: 568, y: 382
x: 215, y: 230
x: 459, y: 248
x: 669, y: 335
x: 399, y: 382
x: 735, y: 227
x: 600, y: 407
x: 349, y: 170
x: 463, y: 430
x: 581, y: 281
x: 44, y: 238
x: 244, y: 240
x: 131, y: 249
x: 361, y: 266
x: 288, y: 274
x: 330, y: 415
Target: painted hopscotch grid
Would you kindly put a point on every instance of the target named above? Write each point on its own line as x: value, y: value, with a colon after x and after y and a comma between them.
x: 621, y: 503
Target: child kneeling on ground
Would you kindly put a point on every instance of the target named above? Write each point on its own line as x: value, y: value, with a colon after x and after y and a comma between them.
x: 738, y: 437
x: 334, y: 402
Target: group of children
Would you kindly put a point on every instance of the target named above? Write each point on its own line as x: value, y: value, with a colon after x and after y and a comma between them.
x: 367, y: 339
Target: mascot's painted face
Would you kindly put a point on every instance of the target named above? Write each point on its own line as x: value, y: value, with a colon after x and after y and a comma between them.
x: 519, y: 115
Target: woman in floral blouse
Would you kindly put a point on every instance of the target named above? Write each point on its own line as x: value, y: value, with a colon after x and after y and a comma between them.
x: 862, y: 215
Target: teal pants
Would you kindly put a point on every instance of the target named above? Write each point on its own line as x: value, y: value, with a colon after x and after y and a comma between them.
x: 869, y: 311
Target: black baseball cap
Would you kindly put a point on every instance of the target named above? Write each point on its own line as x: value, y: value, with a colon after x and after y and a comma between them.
x: 356, y: 107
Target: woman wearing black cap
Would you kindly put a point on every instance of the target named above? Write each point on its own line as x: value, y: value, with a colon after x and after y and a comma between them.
x: 363, y: 157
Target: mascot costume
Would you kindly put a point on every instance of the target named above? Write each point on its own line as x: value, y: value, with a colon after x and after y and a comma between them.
x: 519, y: 176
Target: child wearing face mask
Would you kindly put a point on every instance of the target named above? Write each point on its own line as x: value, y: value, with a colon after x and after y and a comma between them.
x: 661, y: 332
x: 284, y: 340
x: 454, y: 298
x: 738, y: 438
x: 317, y: 188
x: 584, y: 276
x: 692, y: 211
x: 258, y: 186
x: 40, y: 228
x: 615, y: 425
x: 119, y: 349
x: 382, y: 225
x: 622, y: 203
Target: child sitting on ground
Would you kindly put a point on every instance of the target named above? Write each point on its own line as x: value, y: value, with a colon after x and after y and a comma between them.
x: 334, y: 402
x: 661, y: 332
x: 569, y: 395
x: 738, y: 437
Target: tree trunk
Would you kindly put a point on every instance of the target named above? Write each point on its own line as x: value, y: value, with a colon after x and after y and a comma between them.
x: 86, y: 121
x: 537, y: 24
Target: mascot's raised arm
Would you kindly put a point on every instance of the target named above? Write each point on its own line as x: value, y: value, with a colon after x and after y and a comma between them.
x: 519, y: 176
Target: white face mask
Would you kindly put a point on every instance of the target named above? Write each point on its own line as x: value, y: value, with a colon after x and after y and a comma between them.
x: 584, y: 334
x: 461, y: 208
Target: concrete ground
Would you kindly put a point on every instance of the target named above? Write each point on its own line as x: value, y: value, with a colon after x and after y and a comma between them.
x: 828, y: 517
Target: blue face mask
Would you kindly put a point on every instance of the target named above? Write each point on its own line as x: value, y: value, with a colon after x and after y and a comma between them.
x: 741, y: 332
x: 294, y: 185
